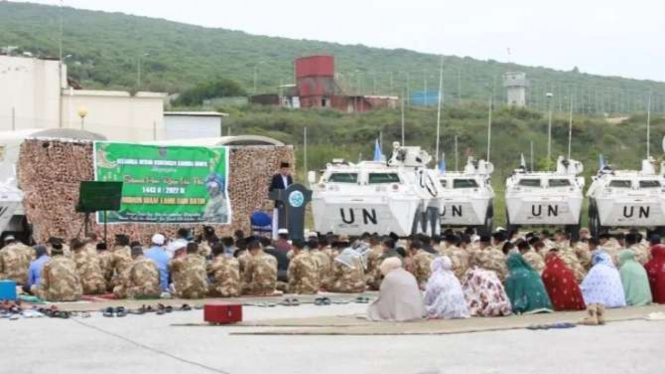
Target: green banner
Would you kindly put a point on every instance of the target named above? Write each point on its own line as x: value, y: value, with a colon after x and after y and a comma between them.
x: 166, y: 184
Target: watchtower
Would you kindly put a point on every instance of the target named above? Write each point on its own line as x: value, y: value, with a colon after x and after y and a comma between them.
x: 515, y: 84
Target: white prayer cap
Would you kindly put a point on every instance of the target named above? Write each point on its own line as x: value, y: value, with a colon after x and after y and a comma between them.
x: 158, y: 239
x: 282, y: 232
x: 175, y: 245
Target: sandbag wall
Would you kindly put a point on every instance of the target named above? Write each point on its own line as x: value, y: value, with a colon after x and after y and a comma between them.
x: 50, y: 172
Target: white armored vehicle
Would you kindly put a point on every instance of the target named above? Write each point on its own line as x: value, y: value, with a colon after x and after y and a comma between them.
x: 546, y: 198
x: 468, y: 197
x: 374, y: 196
x: 627, y: 198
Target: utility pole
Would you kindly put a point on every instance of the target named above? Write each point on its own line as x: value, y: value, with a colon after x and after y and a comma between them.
x: 391, y: 84
x: 459, y: 85
x: 425, y: 88
x: 438, y: 111
x: 549, y: 131
x: 408, y: 87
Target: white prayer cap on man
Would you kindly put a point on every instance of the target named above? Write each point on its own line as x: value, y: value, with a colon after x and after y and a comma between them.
x: 282, y: 232
x: 175, y: 246
x: 158, y: 239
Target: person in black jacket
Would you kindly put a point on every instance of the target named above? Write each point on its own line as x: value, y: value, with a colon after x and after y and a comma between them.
x: 280, y: 181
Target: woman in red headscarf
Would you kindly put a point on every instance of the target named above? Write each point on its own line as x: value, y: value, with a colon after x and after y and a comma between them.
x: 561, y: 285
x: 656, y: 271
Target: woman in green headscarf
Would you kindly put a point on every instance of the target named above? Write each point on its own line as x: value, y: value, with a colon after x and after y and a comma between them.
x: 525, y: 288
x: 634, y: 278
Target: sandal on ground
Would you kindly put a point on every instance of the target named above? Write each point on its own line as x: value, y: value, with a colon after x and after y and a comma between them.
x: 185, y: 308
x: 120, y: 312
x: 108, y: 312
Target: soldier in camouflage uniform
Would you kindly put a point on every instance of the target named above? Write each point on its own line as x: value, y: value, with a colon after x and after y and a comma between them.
x: 324, y: 263
x: 207, y: 240
x: 189, y: 275
x: 583, y: 255
x: 91, y: 241
x: 609, y: 245
x: 243, y: 259
x: 303, y: 272
x: 420, y: 263
x: 641, y: 251
x: 224, y: 273
x: 373, y: 274
x: 105, y: 263
x: 88, y: 268
x: 348, y: 275
x: 568, y: 255
x: 53, y: 241
x: 260, y: 275
x: 15, y: 260
x: 493, y: 259
x: 122, y: 257
x: 140, y: 279
x: 535, y: 260
x: 60, y: 280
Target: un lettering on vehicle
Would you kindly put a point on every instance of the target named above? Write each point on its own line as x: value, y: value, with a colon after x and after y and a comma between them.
x: 638, y: 214
x: 546, y: 211
x: 351, y: 217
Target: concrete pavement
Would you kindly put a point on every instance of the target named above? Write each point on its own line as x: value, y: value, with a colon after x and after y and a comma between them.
x: 151, y: 344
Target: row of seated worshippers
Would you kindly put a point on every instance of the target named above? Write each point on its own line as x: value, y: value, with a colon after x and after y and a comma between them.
x: 180, y: 267
x: 480, y: 292
x: 492, y: 284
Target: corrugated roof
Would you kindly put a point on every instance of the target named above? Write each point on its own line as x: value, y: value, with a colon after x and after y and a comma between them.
x: 197, y: 114
x: 65, y: 133
x: 239, y: 140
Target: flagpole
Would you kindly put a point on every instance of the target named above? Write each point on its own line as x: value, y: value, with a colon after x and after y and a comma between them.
x: 532, y: 156
x: 489, y: 127
x: 305, y: 149
x: 456, y: 155
x: 648, y: 124
x: 438, y: 111
x: 403, y: 141
x: 570, y: 127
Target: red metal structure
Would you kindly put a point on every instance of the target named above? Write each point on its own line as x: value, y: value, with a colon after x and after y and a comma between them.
x: 315, y: 81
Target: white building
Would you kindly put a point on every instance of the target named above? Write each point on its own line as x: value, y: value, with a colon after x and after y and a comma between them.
x: 34, y: 95
x: 29, y: 92
x: 117, y: 115
x: 193, y: 125
x: 516, y: 84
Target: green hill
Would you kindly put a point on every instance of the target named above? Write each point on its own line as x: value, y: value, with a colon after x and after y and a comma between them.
x: 105, y: 48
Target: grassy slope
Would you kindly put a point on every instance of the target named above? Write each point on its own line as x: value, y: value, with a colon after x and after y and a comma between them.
x: 105, y: 48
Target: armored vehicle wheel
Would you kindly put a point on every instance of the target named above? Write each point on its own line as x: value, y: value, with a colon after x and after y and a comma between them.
x: 512, y: 229
x: 573, y: 231
x: 594, y: 220
x: 488, y: 226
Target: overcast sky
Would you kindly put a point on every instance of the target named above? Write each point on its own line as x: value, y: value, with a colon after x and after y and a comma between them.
x: 609, y: 37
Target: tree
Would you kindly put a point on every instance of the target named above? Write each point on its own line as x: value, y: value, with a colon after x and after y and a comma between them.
x: 219, y: 88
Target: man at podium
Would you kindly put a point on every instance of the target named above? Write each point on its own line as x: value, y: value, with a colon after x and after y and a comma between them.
x: 280, y: 181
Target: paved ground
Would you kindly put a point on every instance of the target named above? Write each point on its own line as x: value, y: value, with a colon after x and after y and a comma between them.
x: 151, y: 344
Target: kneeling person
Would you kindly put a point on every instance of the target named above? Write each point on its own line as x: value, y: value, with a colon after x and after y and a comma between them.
x: 59, y: 280
x: 348, y: 274
x: 189, y: 274
x: 224, y: 273
x: 303, y: 271
x: 260, y: 275
x: 140, y: 279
